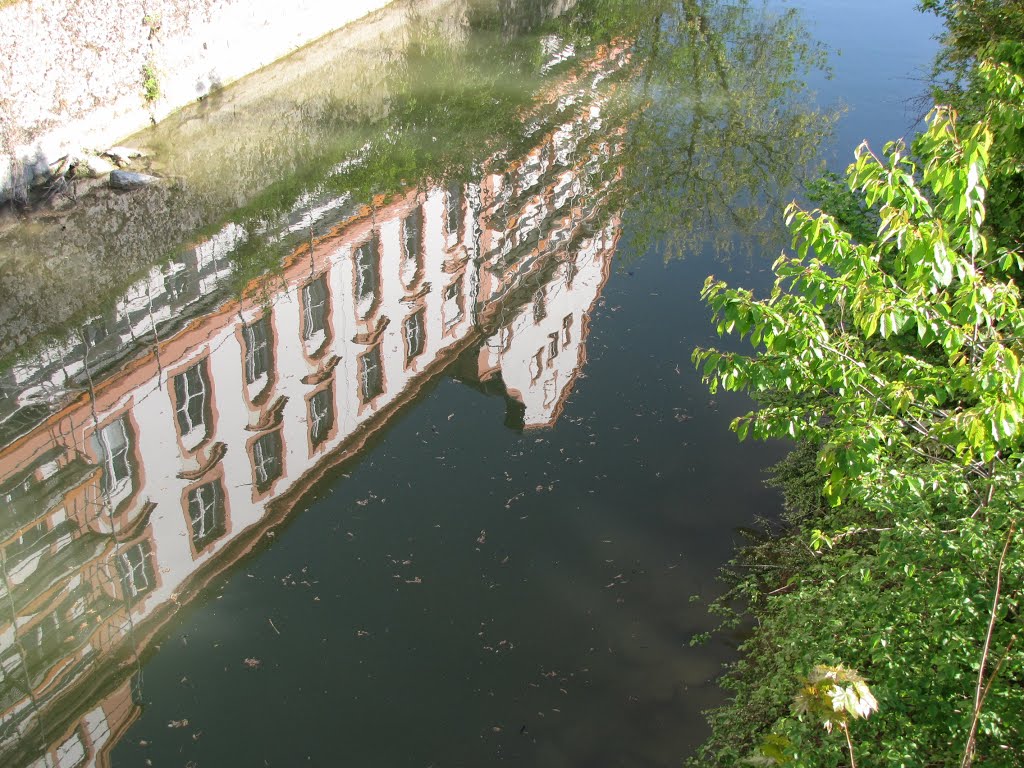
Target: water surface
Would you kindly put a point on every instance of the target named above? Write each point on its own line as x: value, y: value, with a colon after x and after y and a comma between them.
x: 371, y: 436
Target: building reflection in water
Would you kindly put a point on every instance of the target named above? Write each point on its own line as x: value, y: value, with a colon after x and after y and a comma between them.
x: 122, y: 499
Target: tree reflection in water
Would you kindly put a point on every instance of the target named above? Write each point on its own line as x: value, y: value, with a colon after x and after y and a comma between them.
x: 461, y: 219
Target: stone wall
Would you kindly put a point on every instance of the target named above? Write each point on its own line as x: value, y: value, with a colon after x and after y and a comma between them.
x: 80, y: 74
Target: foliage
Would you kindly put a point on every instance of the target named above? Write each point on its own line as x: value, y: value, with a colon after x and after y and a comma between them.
x: 983, y: 36
x: 830, y: 193
x: 972, y: 29
x: 150, y: 82
x: 834, y: 696
x: 895, y: 356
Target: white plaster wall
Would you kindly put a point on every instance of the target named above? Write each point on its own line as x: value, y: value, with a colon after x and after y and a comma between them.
x: 71, y: 71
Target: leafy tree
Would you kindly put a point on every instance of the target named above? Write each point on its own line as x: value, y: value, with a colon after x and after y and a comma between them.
x: 896, y: 355
x: 834, y: 696
x: 972, y: 27
x: 980, y: 35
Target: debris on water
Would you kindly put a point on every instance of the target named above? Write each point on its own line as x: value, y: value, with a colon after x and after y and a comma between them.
x: 482, y: 538
x: 251, y: 663
x: 178, y: 723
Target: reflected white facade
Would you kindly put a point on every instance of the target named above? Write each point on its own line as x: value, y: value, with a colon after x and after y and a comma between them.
x: 127, y: 499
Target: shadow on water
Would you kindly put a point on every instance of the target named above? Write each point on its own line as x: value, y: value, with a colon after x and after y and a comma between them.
x: 268, y: 476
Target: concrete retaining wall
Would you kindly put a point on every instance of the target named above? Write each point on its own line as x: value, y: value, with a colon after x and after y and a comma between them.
x: 73, y: 73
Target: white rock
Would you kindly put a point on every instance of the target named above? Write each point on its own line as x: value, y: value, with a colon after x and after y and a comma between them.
x: 96, y: 166
x: 131, y: 180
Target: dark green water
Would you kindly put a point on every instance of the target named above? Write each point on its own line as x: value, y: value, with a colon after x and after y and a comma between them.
x: 396, y: 457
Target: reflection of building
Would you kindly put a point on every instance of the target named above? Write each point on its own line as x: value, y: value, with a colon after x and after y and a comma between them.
x: 122, y: 503
x: 538, y: 353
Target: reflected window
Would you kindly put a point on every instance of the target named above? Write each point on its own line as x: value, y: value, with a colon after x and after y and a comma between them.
x: 25, y: 544
x: 366, y: 271
x: 206, y: 514
x: 371, y: 374
x: 570, y: 272
x: 314, y: 308
x: 266, y: 460
x: 135, y: 566
x: 566, y: 330
x: 452, y: 308
x: 321, y: 415
x: 192, y: 400
x: 112, y: 446
x: 412, y: 233
x: 176, y: 284
x: 551, y: 391
x: 505, y: 338
x: 95, y: 332
x: 42, y: 641
x: 453, y: 208
x: 257, y: 349
x: 539, y: 309
x: 412, y: 329
x: 16, y: 491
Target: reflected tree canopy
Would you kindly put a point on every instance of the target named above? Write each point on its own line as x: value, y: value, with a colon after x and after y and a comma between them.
x: 725, y: 128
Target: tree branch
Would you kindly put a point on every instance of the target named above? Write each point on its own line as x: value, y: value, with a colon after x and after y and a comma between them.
x: 981, y: 689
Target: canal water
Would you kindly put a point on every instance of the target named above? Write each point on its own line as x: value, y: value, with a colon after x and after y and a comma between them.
x: 369, y: 436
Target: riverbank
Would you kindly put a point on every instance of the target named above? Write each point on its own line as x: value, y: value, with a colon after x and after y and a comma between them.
x: 891, y: 356
x: 80, y: 75
x: 245, y: 156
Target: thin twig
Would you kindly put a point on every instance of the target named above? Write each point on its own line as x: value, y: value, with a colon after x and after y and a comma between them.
x: 995, y: 672
x: 849, y: 743
x: 981, y: 689
x: 988, y: 498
